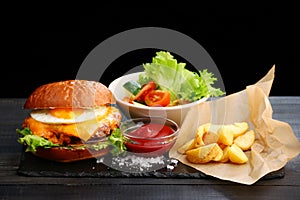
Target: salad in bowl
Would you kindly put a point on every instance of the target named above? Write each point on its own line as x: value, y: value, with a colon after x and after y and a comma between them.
x: 165, y: 87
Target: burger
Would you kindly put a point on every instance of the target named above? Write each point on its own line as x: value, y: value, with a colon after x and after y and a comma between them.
x: 70, y: 120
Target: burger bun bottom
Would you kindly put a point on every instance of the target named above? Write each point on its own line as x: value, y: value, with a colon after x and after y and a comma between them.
x: 69, y: 155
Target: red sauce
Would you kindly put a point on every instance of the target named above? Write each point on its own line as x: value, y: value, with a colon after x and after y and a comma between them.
x: 155, y: 131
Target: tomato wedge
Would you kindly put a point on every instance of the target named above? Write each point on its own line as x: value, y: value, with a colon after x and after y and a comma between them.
x: 140, y: 96
x: 158, y: 98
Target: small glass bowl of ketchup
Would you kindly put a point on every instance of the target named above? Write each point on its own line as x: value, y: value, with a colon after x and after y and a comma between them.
x: 149, y: 136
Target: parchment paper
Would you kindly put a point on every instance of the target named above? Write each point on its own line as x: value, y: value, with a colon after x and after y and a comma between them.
x: 275, y: 143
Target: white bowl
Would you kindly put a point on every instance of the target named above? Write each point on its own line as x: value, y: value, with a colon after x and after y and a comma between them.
x: 175, y: 113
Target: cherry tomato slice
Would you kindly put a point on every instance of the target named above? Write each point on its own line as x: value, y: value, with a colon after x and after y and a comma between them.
x: 140, y: 96
x: 158, y: 98
x: 128, y: 99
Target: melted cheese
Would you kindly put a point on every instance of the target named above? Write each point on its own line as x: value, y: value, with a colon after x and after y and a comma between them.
x: 90, y: 123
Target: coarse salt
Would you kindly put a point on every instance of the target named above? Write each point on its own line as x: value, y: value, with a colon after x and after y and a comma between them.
x: 133, y: 162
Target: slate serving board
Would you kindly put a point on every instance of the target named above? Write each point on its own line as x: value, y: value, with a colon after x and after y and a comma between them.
x: 31, y: 165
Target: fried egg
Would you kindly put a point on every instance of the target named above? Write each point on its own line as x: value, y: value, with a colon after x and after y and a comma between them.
x: 69, y: 115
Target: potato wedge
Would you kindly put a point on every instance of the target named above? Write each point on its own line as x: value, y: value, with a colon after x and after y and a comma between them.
x: 239, y: 128
x: 225, y: 135
x: 236, y: 155
x: 246, y: 140
x: 219, y: 156
x: 225, y: 156
x: 219, y: 143
x: 199, y: 135
x: 187, y: 146
x: 210, y: 137
x: 203, y: 154
x: 213, y: 128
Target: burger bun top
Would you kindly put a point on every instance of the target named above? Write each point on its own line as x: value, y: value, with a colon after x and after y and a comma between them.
x: 70, y: 94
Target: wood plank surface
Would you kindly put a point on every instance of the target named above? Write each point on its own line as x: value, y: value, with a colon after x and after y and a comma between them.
x: 13, y: 186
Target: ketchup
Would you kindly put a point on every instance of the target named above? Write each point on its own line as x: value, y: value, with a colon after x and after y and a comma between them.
x: 154, y: 144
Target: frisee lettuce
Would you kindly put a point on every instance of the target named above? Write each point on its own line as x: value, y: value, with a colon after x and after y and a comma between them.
x: 180, y: 82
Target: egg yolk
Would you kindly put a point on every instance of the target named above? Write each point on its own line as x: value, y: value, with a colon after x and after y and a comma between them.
x: 66, y: 113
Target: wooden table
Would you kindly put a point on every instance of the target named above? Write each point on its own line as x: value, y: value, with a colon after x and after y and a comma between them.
x: 14, y: 186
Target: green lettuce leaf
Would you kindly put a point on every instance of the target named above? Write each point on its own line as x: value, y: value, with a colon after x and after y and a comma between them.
x: 33, y: 141
x: 180, y: 82
x: 118, y: 142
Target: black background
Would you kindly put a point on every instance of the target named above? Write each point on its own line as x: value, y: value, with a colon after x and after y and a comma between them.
x: 44, y: 45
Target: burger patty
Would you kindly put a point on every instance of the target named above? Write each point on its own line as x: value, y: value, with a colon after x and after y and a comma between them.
x: 65, y: 134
